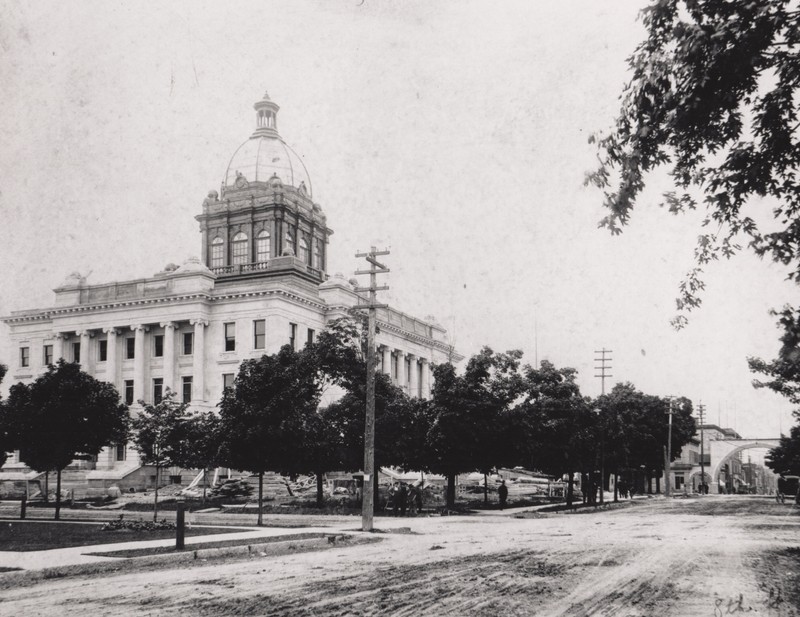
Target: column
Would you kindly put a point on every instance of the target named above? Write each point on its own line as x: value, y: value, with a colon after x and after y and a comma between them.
x: 402, y: 378
x: 86, y: 345
x: 426, y: 381
x: 387, y: 360
x: 111, y: 356
x: 413, y: 377
x: 58, y: 346
x: 138, y: 362
x: 198, y: 360
x: 169, y: 355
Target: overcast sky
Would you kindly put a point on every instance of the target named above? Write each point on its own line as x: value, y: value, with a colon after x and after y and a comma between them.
x: 454, y: 133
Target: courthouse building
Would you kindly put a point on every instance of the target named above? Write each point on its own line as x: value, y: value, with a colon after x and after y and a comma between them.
x: 261, y: 282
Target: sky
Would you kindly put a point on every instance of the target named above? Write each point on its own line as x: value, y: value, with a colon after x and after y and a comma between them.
x: 453, y: 133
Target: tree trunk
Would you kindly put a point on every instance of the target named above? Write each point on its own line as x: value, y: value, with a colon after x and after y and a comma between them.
x: 205, y: 483
x: 155, y: 499
x: 260, y: 498
x: 616, y: 485
x: 376, y: 490
x: 570, y: 492
x: 658, y: 485
x: 450, y: 500
x: 485, y: 491
x: 649, y: 481
x: 320, y: 496
x: 47, y: 486
x: 58, y: 494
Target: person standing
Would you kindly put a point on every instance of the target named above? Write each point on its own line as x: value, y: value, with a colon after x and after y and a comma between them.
x: 402, y: 498
x: 503, y: 494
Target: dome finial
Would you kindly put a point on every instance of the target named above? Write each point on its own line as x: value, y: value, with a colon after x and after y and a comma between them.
x: 266, y: 96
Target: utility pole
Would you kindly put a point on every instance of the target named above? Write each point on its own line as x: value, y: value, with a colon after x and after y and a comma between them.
x: 668, y: 454
x: 368, y: 492
x: 602, y: 365
x: 701, y: 409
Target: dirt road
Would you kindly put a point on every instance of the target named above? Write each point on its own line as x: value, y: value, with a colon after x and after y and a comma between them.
x: 716, y: 556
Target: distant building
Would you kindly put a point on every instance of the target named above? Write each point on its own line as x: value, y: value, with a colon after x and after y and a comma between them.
x: 734, y: 476
x: 261, y: 283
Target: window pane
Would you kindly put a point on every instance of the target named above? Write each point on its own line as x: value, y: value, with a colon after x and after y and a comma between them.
x: 76, y: 352
x: 289, y: 241
x: 310, y: 339
x: 227, y: 380
x: 187, y: 389
x: 240, y: 249
x: 102, y: 350
x: 158, y: 390
x: 304, y: 254
x: 24, y: 356
x: 158, y: 345
x: 262, y: 246
x: 130, y: 348
x: 48, y: 354
x: 230, y: 337
x: 259, y: 334
x: 188, y: 340
x: 129, y: 391
x: 217, y: 253
x: 120, y: 451
x: 293, y: 335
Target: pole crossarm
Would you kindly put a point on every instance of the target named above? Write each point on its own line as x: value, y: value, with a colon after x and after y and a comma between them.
x: 373, y: 271
x: 377, y: 288
x: 370, y: 306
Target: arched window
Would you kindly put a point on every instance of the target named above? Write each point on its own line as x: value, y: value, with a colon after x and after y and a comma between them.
x: 289, y: 241
x: 318, y: 254
x: 217, y: 252
x: 262, y: 245
x: 304, y: 253
x: 240, y: 249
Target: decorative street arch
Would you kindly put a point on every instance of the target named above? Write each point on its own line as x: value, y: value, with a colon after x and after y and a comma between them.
x: 723, y: 450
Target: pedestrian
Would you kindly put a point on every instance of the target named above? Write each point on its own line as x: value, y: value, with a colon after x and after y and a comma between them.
x: 503, y: 494
x: 418, y: 499
x: 394, y: 496
x: 402, y: 499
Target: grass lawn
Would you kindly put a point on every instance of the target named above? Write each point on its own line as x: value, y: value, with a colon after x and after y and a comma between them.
x: 44, y: 535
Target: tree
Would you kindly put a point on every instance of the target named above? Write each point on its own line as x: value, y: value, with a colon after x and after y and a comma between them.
x: 6, y: 426
x: 712, y: 99
x: 785, y: 459
x: 469, y: 415
x: 160, y: 436
x: 63, y: 414
x: 265, y: 416
x: 555, y: 424
x: 201, y: 449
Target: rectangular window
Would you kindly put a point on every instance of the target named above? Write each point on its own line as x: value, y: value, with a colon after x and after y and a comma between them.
x: 293, y: 335
x: 76, y: 352
x: 230, y: 336
x: 158, y: 390
x: 120, y: 451
x: 187, y: 388
x: 129, y: 391
x: 102, y: 350
x: 227, y: 380
x: 158, y: 345
x: 310, y: 339
x: 24, y: 356
x: 130, y: 348
x: 259, y: 334
x: 48, y: 355
x: 188, y: 343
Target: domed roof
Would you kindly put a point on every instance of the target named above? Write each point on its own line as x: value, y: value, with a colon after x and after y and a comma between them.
x: 265, y: 155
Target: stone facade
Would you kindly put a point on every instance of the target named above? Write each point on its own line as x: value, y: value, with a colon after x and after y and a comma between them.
x: 261, y: 284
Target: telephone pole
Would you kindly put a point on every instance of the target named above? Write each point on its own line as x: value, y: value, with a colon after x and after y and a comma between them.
x: 602, y: 365
x: 701, y: 409
x: 368, y: 492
